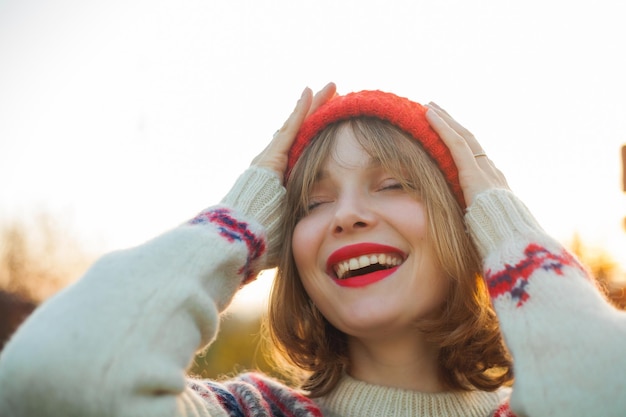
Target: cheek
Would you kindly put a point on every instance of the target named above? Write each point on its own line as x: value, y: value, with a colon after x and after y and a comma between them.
x: 305, y: 245
x: 410, y: 217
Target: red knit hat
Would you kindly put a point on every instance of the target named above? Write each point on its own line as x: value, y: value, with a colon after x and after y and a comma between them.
x: 399, y: 111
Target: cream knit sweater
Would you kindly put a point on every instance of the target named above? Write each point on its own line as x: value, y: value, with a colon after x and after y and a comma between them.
x: 118, y: 342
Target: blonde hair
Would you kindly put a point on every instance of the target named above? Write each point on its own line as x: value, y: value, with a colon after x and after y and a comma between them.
x: 315, y: 354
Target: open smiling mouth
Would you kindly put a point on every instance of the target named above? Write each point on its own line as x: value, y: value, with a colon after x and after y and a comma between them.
x: 363, y: 264
x: 366, y: 264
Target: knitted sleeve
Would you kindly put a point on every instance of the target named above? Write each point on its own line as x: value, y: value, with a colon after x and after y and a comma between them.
x: 566, y: 340
x: 118, y: 342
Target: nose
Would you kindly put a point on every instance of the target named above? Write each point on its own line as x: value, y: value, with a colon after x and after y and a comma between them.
x: 353, y: 213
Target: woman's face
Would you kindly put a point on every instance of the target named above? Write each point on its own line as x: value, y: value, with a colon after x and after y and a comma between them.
x: 362, y: 251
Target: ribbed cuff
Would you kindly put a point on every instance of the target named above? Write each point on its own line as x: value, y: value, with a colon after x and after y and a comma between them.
x: 498, y: 216
x: 259, y: 194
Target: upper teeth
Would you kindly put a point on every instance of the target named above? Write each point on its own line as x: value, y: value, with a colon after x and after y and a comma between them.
x: 366, y: 260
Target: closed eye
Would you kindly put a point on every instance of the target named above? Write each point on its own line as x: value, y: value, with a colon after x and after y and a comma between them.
x: 314, y: 203
x: 390, y: 184
x: 397, y: 186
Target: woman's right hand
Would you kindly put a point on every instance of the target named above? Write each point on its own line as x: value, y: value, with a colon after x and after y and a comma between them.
x: 275, y: 155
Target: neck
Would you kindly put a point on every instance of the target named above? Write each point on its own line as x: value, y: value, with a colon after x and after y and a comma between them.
x: 404, y: 361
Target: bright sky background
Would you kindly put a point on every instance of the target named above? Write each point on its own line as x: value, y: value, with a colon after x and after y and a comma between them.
x: 125, y: 118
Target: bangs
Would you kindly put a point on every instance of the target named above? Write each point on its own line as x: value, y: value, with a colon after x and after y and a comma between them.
x: 398, y: 153
x: 308, y: 168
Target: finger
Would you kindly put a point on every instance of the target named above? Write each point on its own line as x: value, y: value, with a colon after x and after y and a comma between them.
x: 444, y: 115
x: 461, y: 151
x: 329, y: 91
x: 460, y: 129
x: 305, y: 106
x: 437, y: 107
x: 476, y: 173
x: 285, y: 135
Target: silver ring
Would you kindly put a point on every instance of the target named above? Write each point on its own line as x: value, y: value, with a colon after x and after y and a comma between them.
x: 275, y: 133
x: 478, y: 155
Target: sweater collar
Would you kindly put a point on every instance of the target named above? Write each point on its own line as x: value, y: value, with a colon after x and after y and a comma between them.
x: 357, y: 398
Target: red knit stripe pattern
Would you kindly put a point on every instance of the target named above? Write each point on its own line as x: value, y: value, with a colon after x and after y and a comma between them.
x: 234, y: 230
x: 255, y: 395
x: 513, y: 279
x: 504, y: 410
x: 399, y: 111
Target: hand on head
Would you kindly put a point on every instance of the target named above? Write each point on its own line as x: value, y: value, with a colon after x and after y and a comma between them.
x: 477, y: 173
x: 274, y: 156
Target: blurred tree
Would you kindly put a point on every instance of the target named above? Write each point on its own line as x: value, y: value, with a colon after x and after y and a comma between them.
x: 36, y: 260
x: 604, y: 268
x: 13, y: 311
x: 238, y: 348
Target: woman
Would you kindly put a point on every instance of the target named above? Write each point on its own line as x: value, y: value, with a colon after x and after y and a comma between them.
x: 393, y: 211
x: 412, y: 333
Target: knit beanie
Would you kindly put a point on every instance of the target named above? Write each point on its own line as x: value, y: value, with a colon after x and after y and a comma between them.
x: 399, y: 111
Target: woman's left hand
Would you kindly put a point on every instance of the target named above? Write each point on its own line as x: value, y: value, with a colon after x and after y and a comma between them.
x: 477, y: 173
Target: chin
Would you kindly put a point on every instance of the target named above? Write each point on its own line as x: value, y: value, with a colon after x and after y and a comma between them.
x: 370, y: 322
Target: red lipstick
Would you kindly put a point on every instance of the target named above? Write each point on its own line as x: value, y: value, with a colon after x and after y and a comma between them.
x: 355, y: 251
